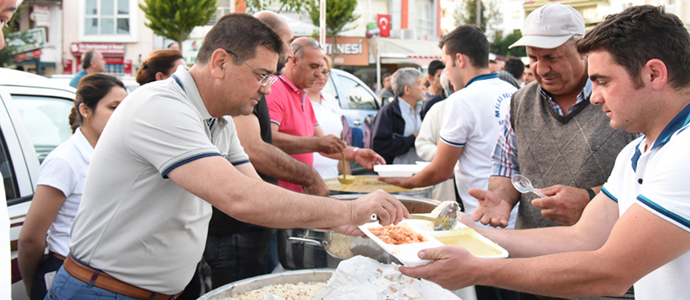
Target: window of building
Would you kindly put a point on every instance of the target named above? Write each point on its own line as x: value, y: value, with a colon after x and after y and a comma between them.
x: 108, y: 20
x: 106, y: 17
x: 424, y: 19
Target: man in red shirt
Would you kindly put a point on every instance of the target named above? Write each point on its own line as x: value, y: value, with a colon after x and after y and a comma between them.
x: 294, y: 125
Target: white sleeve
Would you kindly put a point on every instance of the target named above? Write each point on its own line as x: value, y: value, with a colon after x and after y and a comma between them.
x: 458, y: 122
x: 57, y: 173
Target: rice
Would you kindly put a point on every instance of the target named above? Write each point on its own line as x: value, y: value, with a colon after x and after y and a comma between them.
x: 287, y: 291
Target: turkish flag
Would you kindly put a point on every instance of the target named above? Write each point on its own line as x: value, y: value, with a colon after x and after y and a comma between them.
x: 384, y: 22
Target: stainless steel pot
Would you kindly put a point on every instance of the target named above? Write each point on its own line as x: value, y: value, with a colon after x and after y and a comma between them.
x: 370, y: 183
x: 307, y: 248
x: 250, y: 284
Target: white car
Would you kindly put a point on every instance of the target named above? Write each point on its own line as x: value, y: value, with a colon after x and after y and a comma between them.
x: 130, y: 82
x: 34, y: 114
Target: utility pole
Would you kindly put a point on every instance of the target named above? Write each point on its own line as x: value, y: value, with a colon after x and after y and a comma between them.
x: 479, y: 13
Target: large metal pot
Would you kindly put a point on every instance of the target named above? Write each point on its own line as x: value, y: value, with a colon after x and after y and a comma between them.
x: 369, y: 183
x: 307, y: 248
x: 250, y: 284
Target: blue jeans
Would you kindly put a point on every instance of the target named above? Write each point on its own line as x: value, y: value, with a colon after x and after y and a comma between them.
x: 66, y: 287
x: 48, y: 264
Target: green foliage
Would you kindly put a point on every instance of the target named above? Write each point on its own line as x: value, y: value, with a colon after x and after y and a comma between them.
x: 339, y: 13
x: 500, y: 45
x: 285, y: 5
x: 175, y: 19
x: 6, y: 56
x: 466, y: 13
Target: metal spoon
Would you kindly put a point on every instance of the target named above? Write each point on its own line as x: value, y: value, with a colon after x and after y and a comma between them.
x: 344, y: 179
x: 523, y: 185
x: 446, y: 219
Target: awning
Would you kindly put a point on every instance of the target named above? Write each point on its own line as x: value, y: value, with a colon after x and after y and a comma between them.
x: 423, y: 61
x: 397, y: 51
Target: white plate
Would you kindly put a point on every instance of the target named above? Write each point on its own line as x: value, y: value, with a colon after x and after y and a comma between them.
x: 406, y: 253
x: 423, y: 226
x: 404, y: 170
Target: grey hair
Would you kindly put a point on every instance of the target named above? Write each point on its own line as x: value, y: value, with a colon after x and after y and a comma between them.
x: 404, y: 77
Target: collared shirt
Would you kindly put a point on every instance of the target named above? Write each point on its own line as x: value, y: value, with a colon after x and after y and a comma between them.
x: 472, y: 120
x: 505, y: 155
x: 413, y: 123
x: 134, y: 223
x: 65, y: 169
x: 656, y: 180
x: 291, y: 109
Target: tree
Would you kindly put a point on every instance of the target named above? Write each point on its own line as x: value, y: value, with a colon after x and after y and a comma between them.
x: 285, y: 5
x: 175, y: 19
x: 466, y: 13
x: 339, y: 13
x: 500, y: 45
x: 6, y: 54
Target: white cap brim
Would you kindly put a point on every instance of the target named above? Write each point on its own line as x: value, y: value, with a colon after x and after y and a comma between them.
x: 544, y: 42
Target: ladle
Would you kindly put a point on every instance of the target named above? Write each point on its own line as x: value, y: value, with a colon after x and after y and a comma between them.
x: 344, y: 179
x: 446, y: 219
x: 523, y: 185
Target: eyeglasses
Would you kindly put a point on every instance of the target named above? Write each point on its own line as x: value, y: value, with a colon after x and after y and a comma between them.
x: 312, y: 42
x: 266, y: 80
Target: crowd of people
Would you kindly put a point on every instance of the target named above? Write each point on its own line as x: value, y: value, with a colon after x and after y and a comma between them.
x: 204, y: 162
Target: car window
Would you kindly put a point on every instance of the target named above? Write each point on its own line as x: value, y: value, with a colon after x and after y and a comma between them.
x: 9, y: 179
x: 46, y: 119
x: 356, y: 95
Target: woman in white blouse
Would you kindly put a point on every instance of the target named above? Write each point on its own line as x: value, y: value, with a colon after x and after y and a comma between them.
x: 329, y: 116
x: 61, y: 182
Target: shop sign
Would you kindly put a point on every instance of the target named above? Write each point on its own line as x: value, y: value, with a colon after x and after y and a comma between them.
x: 40, y: 15
x: 190, y: 49
x: 351, y: 51
x: 27, y: 40
x: 107, y: 49
x: 28, y: 55
x: 67, y: 66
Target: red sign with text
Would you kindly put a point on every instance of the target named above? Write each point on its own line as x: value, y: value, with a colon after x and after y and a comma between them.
x: 107, y: 49
x: 384, y: 22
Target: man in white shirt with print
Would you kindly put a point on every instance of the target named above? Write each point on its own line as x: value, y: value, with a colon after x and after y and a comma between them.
x: 637, y: 230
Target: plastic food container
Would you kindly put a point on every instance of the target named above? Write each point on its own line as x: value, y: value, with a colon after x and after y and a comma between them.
x: 305, y: 248
x: 407, y: 254
x: 398, y: 170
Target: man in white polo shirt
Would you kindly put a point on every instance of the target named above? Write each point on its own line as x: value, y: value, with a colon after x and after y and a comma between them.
x: 472, y: 119
x: 637, y: 230
x: 167, y: 156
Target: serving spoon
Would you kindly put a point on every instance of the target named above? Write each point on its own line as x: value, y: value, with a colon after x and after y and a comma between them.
x: 446, y: 219
x: 343, y: 179
x: 523, y: 185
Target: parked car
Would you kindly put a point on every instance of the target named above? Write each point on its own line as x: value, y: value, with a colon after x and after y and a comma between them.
x: 358, y: 102
x: 33, y: 121
x: 130, y: 82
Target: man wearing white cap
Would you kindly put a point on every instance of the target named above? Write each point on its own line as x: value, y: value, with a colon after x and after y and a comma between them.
x: 552, y: 135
